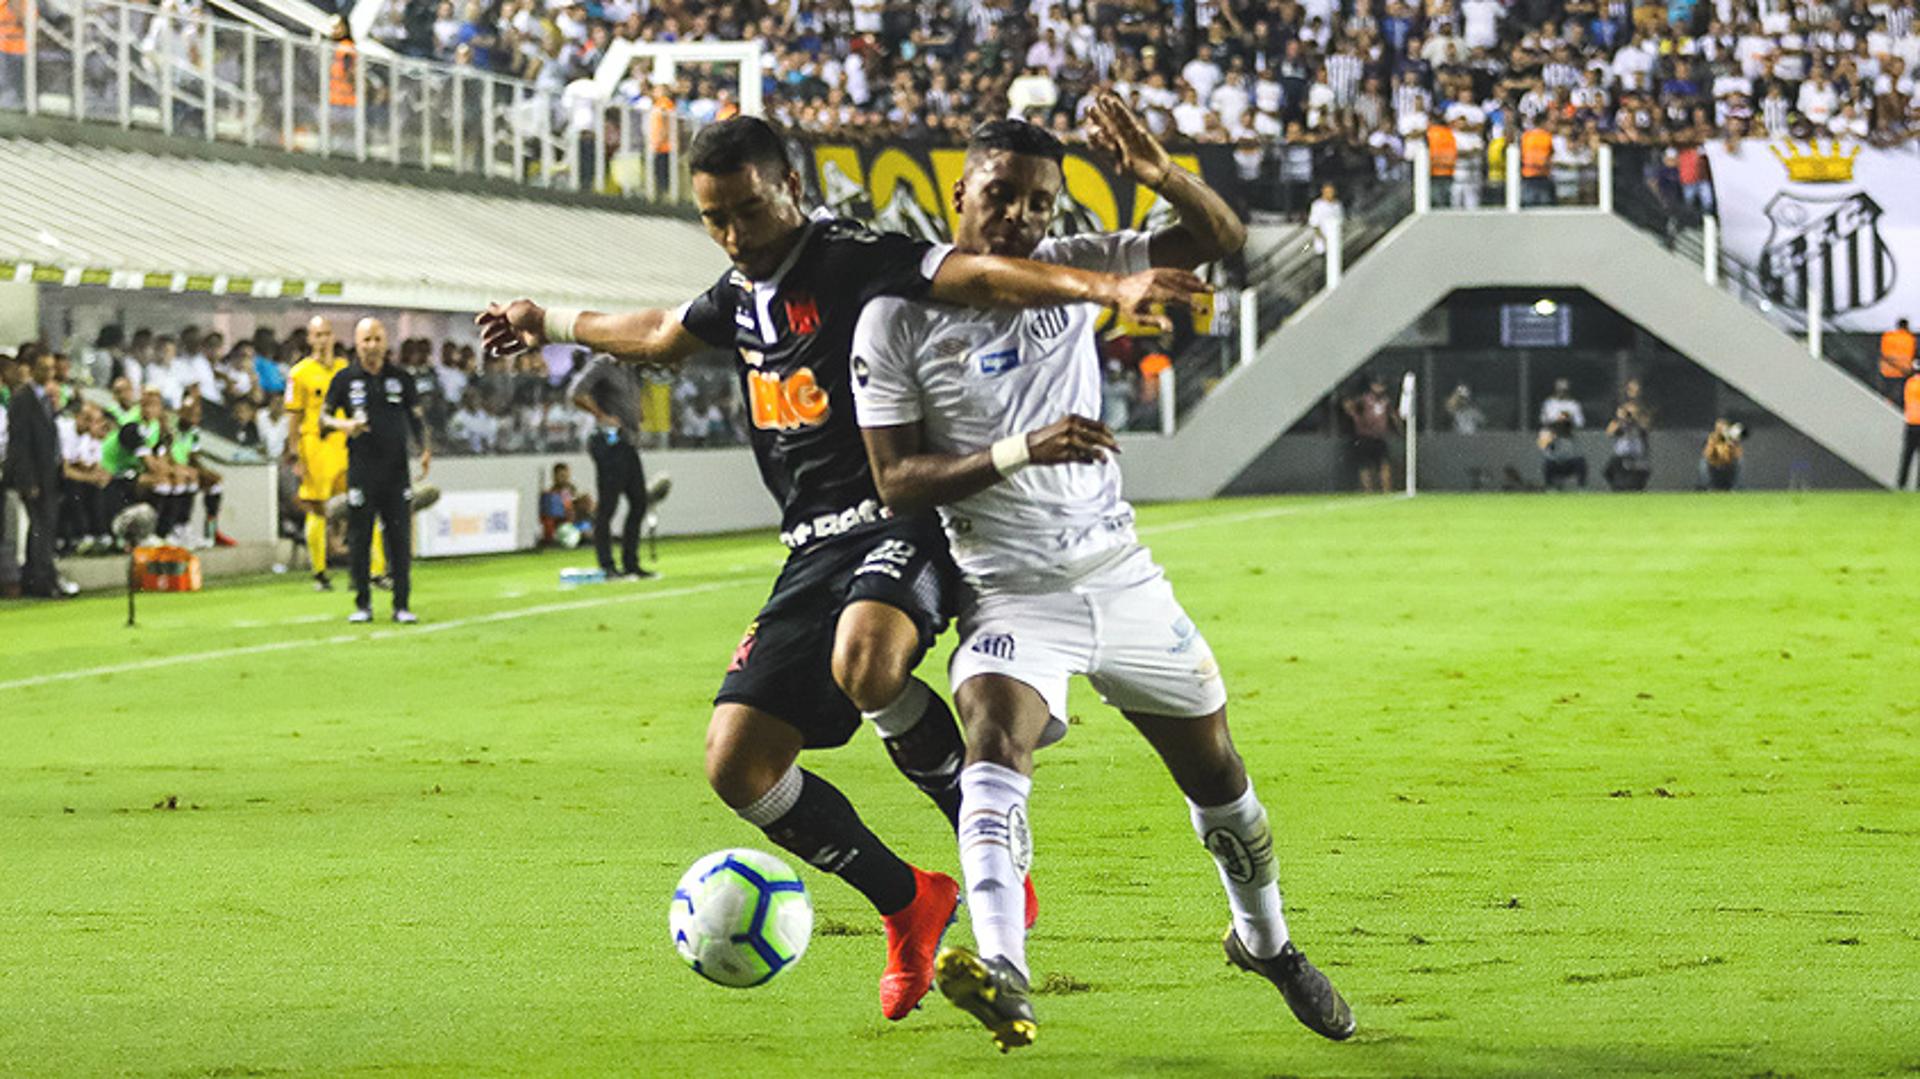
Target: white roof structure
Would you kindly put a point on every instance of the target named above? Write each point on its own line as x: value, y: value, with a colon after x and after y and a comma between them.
x: 79, y: 215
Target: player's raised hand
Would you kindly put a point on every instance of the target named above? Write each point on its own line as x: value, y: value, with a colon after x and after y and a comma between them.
x: 1074, y: 440
x: 515, y: 328
x: 1136, y: 295
x: 1119, y: 132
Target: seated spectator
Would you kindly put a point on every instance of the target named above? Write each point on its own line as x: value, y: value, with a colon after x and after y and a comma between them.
x: 1561, y: 405
x: 472, y: 427
x: 1465, y: 413
x: 83, y: 483
x: 557, y: 504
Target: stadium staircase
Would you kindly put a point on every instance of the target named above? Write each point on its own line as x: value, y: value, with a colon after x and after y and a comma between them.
x: 1424, y: 257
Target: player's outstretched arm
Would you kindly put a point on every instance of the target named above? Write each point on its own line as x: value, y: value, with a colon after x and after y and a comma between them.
x: 1208, y: 228
x: 911, y: 478
x: 993, y: 281
x: 650, y: 336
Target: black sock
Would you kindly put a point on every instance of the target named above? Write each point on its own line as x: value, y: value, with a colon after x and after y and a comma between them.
x: 930, y: 754
x: 809, y: 816
x: 163, y: 507
x: 212, y: 502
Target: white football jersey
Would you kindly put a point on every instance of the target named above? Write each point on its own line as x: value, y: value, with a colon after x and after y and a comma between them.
x: 971, y: 377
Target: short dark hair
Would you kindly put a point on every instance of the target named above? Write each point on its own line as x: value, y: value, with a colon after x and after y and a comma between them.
x: 732, y: 145
x: 1016, y: 137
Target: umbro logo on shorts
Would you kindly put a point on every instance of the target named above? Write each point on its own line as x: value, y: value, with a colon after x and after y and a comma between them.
x: 997, y: 645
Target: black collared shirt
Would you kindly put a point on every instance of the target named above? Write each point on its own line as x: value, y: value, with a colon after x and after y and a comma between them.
x: 793, y: 336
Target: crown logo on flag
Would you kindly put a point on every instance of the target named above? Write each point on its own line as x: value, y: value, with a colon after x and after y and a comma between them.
x: 1814, y: 166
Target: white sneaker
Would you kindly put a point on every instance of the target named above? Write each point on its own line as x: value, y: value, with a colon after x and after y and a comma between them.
x: 361, y: 615
x: 406, y: 617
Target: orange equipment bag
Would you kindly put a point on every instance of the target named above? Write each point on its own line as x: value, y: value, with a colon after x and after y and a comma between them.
x: 166, y: 569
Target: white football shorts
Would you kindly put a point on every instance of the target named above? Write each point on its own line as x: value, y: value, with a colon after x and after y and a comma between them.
x: 1121, y: 627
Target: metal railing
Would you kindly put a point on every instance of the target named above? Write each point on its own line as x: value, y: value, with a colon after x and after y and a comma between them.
x: 1278, y: 284
x: 189, y: 75
x: 1694, y: 235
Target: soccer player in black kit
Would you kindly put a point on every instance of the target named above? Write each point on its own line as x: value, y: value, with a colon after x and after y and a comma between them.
x: 377, y: 406
x: 864, y: 591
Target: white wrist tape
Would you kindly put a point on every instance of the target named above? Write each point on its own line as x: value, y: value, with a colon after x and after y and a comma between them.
x: 560, y: 325
x: 1011, y: 454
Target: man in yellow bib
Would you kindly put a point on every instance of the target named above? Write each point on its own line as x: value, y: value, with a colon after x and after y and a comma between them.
x: 321, y: 454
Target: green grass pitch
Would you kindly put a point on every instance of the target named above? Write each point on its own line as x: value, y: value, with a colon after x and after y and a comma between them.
x: 1561, y: 786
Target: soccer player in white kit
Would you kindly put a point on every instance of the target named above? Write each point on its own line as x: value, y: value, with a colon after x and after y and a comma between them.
x: 984, y: 413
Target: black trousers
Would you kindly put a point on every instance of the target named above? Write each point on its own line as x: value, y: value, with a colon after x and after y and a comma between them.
x: 616, y: 474
x: 38, y: 576
x: 391, y: 501
x: 1573, y: 468
x: 1909, y: 452
x: 81, y: 518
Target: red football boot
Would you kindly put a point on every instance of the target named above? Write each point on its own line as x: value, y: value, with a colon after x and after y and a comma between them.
x: 913, y: 936
x: 1033, y: 902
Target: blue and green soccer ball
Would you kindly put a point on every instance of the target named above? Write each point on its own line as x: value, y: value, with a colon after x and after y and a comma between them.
x: 739, y: 917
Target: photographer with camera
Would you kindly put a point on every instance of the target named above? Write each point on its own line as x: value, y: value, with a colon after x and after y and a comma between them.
x: 1720, y: 460
x: 1631, y: 465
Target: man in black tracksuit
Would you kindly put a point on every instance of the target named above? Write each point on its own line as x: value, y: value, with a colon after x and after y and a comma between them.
x: 377, y: 405
x: 610, y: 392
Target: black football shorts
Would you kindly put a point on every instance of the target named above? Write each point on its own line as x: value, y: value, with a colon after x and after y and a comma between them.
x: 784, y: 664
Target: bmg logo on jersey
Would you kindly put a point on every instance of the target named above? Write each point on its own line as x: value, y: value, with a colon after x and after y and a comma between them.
x: 786, y: 403
x: 998, y: 362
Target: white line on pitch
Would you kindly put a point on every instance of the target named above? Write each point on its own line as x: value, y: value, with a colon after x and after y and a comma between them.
x: 1272, y: 511
x: 373, y: 635
x: 606, y: 601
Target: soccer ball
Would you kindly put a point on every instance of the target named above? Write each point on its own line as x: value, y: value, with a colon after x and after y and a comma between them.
x: 739, y: 917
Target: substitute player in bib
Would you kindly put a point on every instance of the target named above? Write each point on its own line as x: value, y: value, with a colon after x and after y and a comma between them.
x: 864, y: 591
x: 984, y: 413
x: 321, y: 453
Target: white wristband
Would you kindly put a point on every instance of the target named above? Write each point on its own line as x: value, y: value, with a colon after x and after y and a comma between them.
x: 1011, y: 454
x: 560, y: 323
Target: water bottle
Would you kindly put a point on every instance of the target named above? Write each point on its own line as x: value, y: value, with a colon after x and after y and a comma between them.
x: 574, y: 577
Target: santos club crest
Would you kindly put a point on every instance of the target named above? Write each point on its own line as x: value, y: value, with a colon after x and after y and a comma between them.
x: 1842, y: 234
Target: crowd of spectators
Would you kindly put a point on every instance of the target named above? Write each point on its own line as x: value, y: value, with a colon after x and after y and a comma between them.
x: 1301, y: 90
x: 499, y: 405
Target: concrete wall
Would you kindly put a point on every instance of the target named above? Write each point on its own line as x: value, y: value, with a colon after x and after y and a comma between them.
x: 1776, y: 458
x: 19, y: 313
x: 1426, y: 257
x: 713, y: 490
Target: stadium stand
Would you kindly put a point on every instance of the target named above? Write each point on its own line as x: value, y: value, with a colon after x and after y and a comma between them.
x: 376, y: 148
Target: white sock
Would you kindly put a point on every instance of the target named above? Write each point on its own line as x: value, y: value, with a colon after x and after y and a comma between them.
x: 904, y: 713
x: 1237, y: 836
x: 996, y: 850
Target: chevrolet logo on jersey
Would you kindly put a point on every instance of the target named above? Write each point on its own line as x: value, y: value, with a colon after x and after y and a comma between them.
x: 786, y: 404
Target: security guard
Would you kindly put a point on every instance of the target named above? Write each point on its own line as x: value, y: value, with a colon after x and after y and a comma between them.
x: 377, y: 406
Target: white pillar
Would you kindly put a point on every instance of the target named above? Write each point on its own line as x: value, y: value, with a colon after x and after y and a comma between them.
x: 1167, y: 404
x: 1336, y: 255
x: 750, y: 80
x: 1422, y: 179
x: 1710, y: 249
x: 1816, y: 293
x: 1512, y: 153
x: 1410, y: 414
x: 1249, y: 324
x: 1606, y: 177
